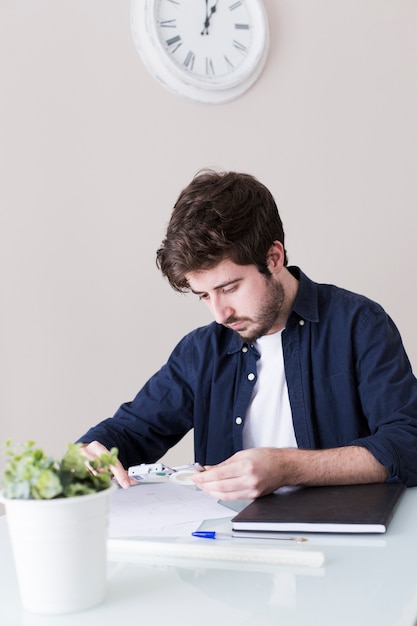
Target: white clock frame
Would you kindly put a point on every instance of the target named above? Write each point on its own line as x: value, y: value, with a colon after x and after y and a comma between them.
x: 212, y: 67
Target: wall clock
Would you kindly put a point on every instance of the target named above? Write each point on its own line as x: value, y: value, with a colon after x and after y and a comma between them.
x: 209, y: 51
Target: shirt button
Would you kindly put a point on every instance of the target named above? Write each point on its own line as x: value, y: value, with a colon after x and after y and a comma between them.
x: 245, y: 349
x: 301, y: 322
x: 251, y: 376
x: 238, y: 420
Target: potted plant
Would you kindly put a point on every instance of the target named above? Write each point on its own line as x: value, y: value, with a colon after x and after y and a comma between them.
x: 57, y: 514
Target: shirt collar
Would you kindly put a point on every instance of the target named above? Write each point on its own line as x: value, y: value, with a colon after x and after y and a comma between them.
x: 235, y: 343
x: 306, y: 301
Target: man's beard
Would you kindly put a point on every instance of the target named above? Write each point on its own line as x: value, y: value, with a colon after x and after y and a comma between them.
x: 267, y: 315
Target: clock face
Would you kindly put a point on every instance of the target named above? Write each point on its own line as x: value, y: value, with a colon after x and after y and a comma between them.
x: 206, y: 50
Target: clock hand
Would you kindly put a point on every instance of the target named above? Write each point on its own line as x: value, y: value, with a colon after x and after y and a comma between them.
x: 206, y: 21
x: 212, y: 10
x: 208, y: 18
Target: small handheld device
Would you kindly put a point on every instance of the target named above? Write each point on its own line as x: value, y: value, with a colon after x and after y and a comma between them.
x: 180, y: 474
x: 146, y: 470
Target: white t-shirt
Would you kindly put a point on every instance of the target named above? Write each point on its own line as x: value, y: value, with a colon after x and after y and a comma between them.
x: 268, y: 420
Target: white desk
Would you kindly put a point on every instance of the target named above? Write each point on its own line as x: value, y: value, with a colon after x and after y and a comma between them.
x: 366, y: 581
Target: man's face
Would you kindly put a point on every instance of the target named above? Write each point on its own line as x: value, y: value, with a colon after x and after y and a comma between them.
x: 240, y: 298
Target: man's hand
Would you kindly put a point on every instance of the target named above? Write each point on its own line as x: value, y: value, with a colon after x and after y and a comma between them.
x: 94, y: 449
x: 252, y: 473
x: 247, y: 474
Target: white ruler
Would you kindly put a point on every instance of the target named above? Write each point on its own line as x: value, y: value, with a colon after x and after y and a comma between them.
x: 217, y: 552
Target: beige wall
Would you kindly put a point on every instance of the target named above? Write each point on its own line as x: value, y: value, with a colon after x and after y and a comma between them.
x: 93, y: 153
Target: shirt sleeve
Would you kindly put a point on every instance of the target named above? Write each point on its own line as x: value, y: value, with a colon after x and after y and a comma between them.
x: 157, y: 418
x: 388, y: 393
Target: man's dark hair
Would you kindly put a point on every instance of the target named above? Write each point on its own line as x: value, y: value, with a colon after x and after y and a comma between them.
x: 219, y: 215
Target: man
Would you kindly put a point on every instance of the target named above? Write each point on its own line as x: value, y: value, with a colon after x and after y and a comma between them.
x: 295, y: 383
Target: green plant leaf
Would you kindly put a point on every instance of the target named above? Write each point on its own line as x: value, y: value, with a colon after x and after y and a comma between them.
x: 30, y: 473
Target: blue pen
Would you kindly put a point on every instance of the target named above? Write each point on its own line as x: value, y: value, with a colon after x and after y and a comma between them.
x: 210, y: 534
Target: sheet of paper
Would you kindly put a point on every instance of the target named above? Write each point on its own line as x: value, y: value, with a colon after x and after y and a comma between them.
x: 161, y: 510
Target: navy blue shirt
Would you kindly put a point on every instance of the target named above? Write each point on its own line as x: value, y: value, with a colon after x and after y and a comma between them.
x: 349, y: 383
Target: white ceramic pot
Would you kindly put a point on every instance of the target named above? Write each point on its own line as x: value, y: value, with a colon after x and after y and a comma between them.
x: 60, y: 550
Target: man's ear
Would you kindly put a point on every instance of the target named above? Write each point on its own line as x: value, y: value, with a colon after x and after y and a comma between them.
x: 275, y: 257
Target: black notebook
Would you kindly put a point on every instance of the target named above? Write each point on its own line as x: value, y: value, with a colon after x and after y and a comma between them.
x: 340, y: 509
